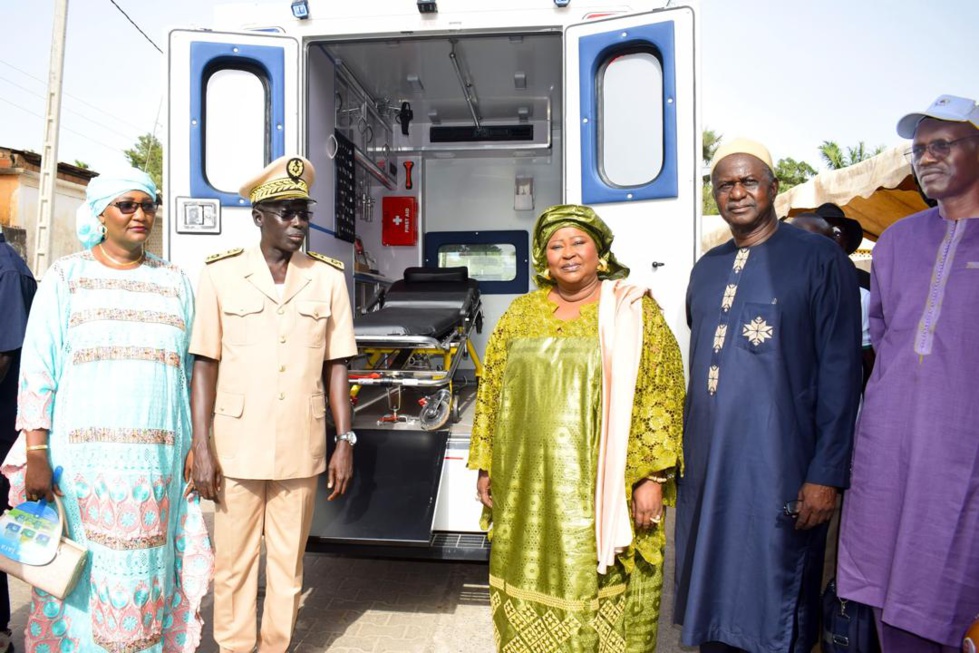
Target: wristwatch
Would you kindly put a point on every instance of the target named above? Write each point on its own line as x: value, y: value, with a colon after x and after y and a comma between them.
x: 349, y: 436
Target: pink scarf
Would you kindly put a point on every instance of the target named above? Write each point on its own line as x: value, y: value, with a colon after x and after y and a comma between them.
x: 620, y: 334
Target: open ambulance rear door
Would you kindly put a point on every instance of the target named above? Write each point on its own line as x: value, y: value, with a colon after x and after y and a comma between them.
x: 233, y: 108
x: 633, y: 144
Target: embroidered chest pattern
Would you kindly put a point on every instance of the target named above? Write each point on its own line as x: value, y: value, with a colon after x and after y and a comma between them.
x: 720, y: 333
x: 757, y: 331
x: 126, y: 315
x: 95, y: 354
x: 89, y: 283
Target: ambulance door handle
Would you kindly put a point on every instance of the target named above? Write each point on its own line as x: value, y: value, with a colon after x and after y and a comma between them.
x: 657, y: 265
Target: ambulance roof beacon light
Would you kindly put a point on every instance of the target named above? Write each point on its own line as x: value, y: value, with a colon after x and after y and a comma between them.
x: 562, y: 3
x: 427, y: 7
x: 300, y: 9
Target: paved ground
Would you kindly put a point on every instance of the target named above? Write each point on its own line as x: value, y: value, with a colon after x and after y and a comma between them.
x: 357, y: 605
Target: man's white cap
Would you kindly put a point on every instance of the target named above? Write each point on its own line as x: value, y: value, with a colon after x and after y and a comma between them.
x: 742, y: 146
x: 946, y: 107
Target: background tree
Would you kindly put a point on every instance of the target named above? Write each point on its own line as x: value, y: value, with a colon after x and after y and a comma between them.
x: 711, y: 140
x: 147, y: 155
x: 836, y: 158
x: 792, y: 173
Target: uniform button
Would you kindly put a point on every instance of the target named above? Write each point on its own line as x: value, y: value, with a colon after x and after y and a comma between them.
x: 316, y: 313
x: 281, y: 310
x: 282, y: 395
x: 282, y: 338
x: 282, y: 368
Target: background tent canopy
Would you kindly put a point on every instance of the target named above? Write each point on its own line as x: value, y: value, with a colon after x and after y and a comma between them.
x: 876, y: 192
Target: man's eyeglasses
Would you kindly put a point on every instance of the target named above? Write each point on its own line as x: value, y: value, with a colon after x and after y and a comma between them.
x: 128, y: 207
x: 938, y: 149
x: 288, y: 215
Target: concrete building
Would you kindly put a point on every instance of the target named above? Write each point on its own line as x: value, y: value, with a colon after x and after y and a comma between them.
x: 20, y: 175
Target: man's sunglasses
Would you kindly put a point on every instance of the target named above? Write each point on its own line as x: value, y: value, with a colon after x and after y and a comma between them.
x: 288, y: 215
x: 128, y: 207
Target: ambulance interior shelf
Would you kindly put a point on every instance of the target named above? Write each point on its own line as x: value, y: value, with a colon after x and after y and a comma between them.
x: 358, y: 120
x: 369, y: 289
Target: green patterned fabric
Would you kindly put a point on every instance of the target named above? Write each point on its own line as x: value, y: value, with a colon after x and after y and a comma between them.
x: 538, y: 419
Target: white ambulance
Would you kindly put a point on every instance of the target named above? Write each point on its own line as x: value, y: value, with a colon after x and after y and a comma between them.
x: 439, y: 130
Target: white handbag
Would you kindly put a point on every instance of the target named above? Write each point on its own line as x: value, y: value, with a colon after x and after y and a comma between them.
x: 57, y: 577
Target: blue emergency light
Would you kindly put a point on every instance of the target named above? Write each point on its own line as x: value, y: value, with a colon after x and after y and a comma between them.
x: 300, y: 9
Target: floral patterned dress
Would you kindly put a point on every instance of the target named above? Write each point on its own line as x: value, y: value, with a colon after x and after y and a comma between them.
x: 536, y: 431
x: 105, y: 370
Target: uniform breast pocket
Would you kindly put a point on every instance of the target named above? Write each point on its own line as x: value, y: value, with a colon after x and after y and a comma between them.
x: 759, y: 328
x: 313, y: 318
x: 240, y: 322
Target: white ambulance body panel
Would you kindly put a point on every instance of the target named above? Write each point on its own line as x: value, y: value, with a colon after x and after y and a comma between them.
x: 593, y: 103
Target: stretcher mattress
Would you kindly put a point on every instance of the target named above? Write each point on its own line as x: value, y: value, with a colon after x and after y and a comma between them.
x: 427, y: 302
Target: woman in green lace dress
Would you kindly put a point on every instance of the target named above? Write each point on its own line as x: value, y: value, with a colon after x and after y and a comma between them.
x: 577, y: 441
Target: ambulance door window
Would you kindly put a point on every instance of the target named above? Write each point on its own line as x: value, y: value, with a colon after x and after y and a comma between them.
x: 624, y: 104
x: 234, y: 126
x: 630, y: 109
x: 237, y: 113
x: 498, y: 260
x: 486, y: 261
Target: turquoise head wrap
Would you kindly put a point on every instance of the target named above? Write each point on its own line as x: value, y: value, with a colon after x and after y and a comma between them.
x: 99, y: 194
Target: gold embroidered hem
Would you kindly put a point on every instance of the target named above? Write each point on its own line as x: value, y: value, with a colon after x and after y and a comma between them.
x: 621, y: 618
x: 555, y: 601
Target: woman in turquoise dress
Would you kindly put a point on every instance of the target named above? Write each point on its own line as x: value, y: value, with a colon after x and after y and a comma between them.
x: 104, y: 396
x: 577, y: 441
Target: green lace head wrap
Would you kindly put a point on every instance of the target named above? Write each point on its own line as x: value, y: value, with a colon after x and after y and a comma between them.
x: 581, y: 217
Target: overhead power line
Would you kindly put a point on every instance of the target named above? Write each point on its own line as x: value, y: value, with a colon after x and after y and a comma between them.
x: 73, y: 97
x: 67, y: 129
x: 136, y: 26
x: 78, y: 115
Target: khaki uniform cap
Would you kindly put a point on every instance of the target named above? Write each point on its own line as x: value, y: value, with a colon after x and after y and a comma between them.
x: 287, y: 178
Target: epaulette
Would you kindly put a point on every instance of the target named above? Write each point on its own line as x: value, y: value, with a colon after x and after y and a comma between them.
x: 326, y: 259
x: 217, y: 257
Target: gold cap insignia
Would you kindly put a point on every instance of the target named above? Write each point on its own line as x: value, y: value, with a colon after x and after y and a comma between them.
x: 295, y: 168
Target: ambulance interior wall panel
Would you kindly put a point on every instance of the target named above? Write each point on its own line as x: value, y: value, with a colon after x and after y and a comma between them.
x: 392, y: 260
x: 320, y: 121
x: 477, y: 194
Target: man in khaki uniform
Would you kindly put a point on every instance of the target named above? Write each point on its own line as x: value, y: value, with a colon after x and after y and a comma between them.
x: 272, y: 333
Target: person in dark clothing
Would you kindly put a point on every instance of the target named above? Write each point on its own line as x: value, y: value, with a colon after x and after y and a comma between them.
x: 17, y: 287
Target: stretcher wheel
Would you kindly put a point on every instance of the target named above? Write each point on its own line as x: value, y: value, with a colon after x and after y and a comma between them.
x: 435, y: 412
x: 454, y: 413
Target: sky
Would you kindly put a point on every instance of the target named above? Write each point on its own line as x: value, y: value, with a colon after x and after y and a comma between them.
x: 788, y: 73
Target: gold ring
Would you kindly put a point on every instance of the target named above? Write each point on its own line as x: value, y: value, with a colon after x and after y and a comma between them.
x: 656, y: 520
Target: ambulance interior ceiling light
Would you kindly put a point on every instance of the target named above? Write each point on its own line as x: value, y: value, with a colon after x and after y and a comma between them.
x: 300, y: 9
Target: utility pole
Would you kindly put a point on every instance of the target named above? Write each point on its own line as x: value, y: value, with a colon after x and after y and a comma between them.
x: 49, y: 151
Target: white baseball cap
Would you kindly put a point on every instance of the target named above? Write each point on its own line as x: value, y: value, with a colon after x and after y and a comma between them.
x: 946, y: 107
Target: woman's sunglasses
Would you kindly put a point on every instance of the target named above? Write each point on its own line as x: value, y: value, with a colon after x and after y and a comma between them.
x: 128, y: 207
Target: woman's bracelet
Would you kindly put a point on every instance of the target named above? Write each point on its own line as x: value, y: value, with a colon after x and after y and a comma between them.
x: 661, y: 478
x: 37, y: 447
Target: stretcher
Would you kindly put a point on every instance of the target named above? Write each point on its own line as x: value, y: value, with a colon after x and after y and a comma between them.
x: 416, y: 339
